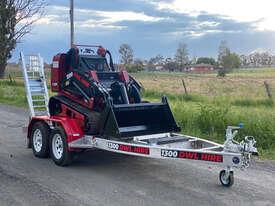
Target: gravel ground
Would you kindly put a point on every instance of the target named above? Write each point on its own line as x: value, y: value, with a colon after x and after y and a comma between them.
x: 103, y: 178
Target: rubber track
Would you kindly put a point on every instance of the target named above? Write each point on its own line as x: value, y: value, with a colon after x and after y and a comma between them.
x: 73, y: 105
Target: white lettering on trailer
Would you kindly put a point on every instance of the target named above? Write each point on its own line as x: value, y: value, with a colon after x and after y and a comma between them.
x: 112, y: 145
x: 169, y: 153
x: 55, y: 64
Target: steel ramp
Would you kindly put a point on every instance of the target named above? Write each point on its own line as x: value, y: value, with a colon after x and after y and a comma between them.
x: 35, y: 84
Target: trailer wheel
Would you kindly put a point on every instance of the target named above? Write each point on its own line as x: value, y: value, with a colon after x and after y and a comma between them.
x: 39, y: 140
x: 227, y: 180
x: 59, y: 148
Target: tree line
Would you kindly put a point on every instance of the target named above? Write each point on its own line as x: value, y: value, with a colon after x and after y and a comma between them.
x: 181, y: 61
x: 224, y: 63
x: 258, y: 59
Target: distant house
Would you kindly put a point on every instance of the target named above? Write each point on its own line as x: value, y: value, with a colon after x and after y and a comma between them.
x: 201, y: 68
x: 159, y: 67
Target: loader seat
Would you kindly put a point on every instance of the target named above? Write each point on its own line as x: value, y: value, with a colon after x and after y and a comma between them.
x: 72, y: 60
x: 115, y: 84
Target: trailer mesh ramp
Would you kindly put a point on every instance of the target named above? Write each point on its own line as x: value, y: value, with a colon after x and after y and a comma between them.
x: 35, y: 84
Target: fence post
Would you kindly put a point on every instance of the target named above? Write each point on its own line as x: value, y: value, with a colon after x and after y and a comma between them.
x: 10, y: 78
x: 184, y: 86
x: 267, y: 89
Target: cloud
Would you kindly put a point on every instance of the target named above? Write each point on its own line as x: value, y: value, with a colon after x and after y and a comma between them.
x: 156, y: 26
x: 49, y: 19
x: 117, y: 16
x: 260, y: 13
x: 165, y: 17
x: 89, y: 18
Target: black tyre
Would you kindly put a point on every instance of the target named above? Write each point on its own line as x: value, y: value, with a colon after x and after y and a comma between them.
x: 59, y: 148
x: 39, y: 139
x: 227, y: 180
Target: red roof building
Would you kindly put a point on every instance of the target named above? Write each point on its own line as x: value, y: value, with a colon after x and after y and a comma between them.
x: 201, y: 68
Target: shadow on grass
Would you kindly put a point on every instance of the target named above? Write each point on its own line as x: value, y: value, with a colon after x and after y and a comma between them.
x: 254, y: 103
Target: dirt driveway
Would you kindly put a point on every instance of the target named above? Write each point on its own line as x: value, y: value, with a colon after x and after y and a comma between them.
x: 102, y: 178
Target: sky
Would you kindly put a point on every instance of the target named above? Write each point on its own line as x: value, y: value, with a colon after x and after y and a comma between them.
x: 154, y: 27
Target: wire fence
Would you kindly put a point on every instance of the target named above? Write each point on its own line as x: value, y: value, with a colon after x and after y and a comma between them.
x: 235, y: 87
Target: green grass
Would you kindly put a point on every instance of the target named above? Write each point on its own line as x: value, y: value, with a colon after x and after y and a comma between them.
x: 251, y: 72
x: 256, y: 73
x: 12, y: 93
x: 208, y: 118
x: 211, y: 104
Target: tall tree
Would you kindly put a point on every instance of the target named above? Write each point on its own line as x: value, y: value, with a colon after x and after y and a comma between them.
x: 181, y: 57
x: 126, y: 54
x: 231, y: 61
x: 137, y: 66
x: 206, y: 60
x: 171, y: 66
x: 223, y: 51
x: 157, y: 60
x: 16, y: 19
x: 227, y: 60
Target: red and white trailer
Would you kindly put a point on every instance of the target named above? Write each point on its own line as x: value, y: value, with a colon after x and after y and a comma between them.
x: 62, y: 134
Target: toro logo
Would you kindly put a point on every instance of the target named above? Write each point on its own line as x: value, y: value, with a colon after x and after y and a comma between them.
x: 128, y: 148
x: 191, y: 155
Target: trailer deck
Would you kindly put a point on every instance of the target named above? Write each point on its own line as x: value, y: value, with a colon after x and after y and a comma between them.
x: 167, y: 146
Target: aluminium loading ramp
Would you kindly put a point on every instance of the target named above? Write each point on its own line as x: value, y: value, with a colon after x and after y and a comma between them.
x: 230, y: 155
x: 35, y: 84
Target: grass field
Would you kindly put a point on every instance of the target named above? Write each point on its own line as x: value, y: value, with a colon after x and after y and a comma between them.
x: 211, y: 103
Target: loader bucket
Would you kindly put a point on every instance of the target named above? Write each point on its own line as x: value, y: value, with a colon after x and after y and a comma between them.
x: 128, y: 120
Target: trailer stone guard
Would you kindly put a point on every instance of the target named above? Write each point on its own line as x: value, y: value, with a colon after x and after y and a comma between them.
x: 99, y: 107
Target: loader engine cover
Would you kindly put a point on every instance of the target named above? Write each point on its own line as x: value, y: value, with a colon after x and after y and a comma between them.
x: 57, y: 72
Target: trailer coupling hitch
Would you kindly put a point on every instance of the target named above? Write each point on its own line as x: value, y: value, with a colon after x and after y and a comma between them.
x: 247, y: 146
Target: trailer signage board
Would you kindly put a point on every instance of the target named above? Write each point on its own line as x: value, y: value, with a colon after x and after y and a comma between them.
x: 191, y: 155
x: 128, y: 148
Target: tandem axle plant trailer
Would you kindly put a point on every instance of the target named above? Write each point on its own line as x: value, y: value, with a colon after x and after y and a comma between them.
x: 99, y: 107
